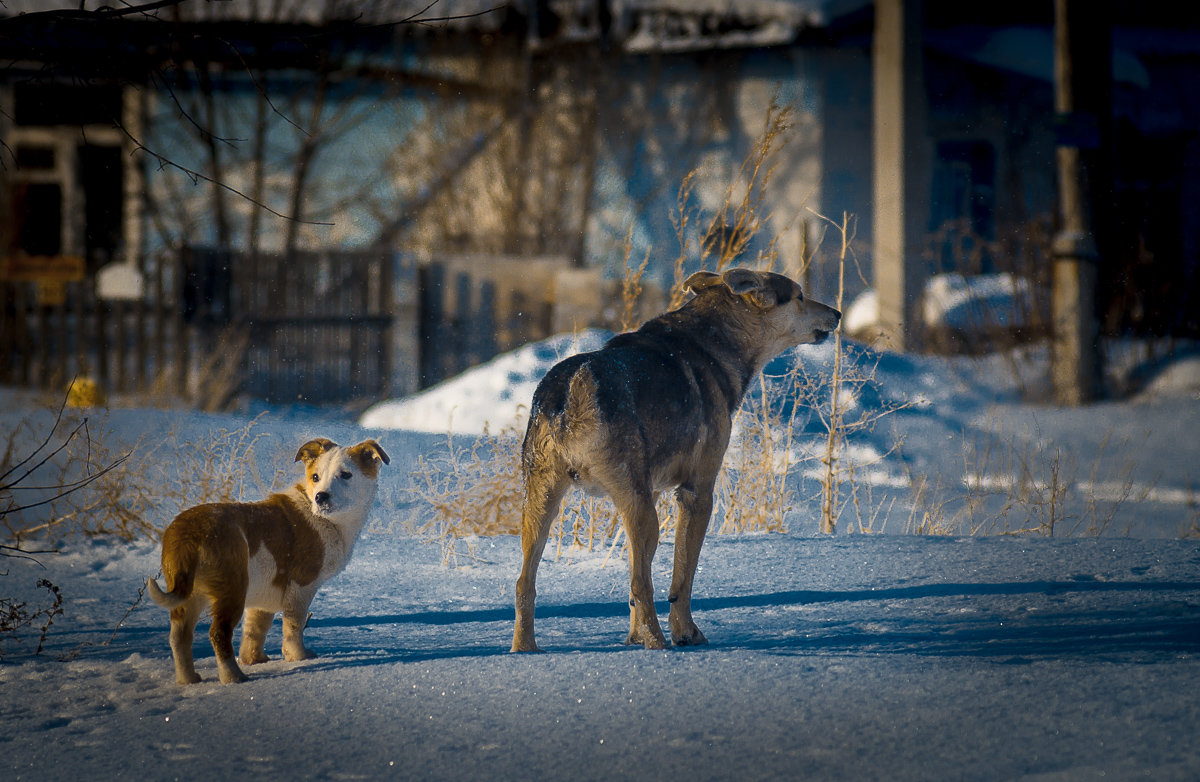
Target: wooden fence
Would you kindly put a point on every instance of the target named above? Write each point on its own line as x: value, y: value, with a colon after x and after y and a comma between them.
x: 323, y: 328
x: 466, y: 317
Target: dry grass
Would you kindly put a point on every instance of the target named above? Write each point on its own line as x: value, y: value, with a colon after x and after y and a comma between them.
x: 754, y: 492
x: 73, y: 484
x: 17, y: 615
x: 1018, y: 487
x: 472, y: 490
x: 475, y: 489
x: 66, y: 482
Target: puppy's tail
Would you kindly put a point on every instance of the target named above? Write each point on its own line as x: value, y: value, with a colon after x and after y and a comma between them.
x: 168, y: 600
x: 179, y: 562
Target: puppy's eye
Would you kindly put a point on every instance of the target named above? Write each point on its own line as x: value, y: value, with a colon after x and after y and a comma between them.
x: 315, y: 477
x: 346, y: 475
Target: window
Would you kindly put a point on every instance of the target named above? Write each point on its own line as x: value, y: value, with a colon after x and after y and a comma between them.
x: 66, y: 189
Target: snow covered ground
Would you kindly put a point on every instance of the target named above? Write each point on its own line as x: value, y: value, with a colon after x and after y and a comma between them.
x: 853, y: 656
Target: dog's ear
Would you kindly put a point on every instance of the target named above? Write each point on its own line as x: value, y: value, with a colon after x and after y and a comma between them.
x: 314, y: 448
x: 751, y: 285
x: 370, y: 451
x: 701, y: 280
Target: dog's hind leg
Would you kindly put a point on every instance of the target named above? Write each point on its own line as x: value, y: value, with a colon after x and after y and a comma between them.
x: 183, y: 631
x: 641, y: 527
x: 255, y: 625
x: 545, y: 486
x: 228, y: 600
x: 695, y: 509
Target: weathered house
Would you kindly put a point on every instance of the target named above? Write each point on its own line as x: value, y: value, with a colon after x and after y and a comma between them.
x: 357, y: 178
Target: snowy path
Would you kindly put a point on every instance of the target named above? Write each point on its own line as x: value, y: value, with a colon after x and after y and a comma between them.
x: 831, y: 658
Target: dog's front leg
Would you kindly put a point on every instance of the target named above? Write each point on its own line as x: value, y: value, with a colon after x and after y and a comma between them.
x: 641, y: 527
x: 295, y: 616
x: 255, y: 625
x: 695, y: 509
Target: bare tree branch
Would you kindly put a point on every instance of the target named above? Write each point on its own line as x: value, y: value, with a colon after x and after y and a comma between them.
x: 104, y: 12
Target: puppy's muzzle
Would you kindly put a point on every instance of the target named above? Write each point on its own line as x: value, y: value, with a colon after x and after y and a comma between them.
x: 322, y: 500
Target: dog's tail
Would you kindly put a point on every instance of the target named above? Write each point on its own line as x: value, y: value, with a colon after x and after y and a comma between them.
x: 179, y: 560
x: 168, y: 600
x: 580, y: 411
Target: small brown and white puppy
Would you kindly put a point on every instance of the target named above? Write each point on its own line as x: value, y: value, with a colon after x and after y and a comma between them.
x: 649, y: 412
x: 264, y: 557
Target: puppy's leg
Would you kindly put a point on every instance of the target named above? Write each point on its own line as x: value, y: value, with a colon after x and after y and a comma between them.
x: 544, y: 490
x: 183, y: 631
x: 255, y: 625
x: 695, y: 509
x: 641, y: 527
x: 228, y: 600
x: 295, y: 616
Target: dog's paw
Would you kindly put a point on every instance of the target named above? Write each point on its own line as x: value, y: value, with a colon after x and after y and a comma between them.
x: 192, y: 678
x: 295, y: 656
x: 233, y: 675
x: 695, y: 638
x: 646, y: 638
x: 253, y: 658
x: 524, y: 647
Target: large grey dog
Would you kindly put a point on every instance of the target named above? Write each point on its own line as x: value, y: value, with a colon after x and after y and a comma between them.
x: 649, y: 412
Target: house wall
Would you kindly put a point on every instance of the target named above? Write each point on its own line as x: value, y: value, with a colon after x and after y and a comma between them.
x: 580, y: 154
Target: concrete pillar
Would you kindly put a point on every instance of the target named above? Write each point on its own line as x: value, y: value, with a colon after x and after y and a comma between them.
x: 1082, y: 102
x: 902, y: 158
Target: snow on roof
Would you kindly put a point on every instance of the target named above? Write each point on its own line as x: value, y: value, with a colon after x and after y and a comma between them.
x: 683, y: 25
x: 479, y: 13
x: 637, y: 25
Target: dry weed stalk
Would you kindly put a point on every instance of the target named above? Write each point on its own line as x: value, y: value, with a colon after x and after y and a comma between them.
x: 727, y: 234
x: 835, y: 423
x: 631, y: 285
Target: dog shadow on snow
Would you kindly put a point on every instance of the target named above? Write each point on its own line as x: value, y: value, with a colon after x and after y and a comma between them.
x: 1004, y: 621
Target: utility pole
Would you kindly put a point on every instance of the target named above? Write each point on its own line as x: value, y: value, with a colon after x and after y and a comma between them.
x: 901, y: 163
x: 1082, y: 104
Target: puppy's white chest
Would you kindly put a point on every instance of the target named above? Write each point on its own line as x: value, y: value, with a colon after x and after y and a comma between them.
x: 262, y: 592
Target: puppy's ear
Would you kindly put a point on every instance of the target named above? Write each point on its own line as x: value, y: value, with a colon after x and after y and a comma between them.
x: 701, y: 280
x: 314, y: 448
x: 370, y: 450
x: 750, y: 285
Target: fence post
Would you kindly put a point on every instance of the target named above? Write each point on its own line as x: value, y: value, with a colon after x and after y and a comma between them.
x: 121, y: 380
x: 100, y: 335
x: 432, y: 328
x: 483, y: 325
x: 459, y: 357
x: 404, y: 354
